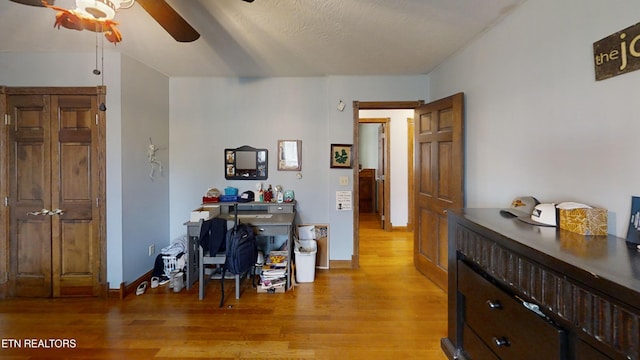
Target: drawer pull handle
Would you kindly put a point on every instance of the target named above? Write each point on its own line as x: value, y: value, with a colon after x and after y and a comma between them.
x: 501, y: 342
x: 494, y: 304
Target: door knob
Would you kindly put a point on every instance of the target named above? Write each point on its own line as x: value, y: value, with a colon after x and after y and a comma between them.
x: 41, y: 212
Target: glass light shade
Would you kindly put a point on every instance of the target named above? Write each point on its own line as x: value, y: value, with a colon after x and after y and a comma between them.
x: 98, y: 9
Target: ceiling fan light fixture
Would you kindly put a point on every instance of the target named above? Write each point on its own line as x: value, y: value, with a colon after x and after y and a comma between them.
x: 98, y: 9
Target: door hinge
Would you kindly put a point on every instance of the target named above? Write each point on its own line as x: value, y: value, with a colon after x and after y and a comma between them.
x: 7, y: 119
x: 96, y: 119
x: 97, y: 202
x: 6, y: 201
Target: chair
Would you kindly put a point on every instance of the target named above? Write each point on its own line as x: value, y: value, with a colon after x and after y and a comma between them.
x: 206, y: 259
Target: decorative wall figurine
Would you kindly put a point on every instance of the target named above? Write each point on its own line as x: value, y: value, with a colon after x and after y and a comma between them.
x: 155, y: 163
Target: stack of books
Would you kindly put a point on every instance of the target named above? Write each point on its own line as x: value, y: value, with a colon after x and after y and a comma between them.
x: 274, y: 271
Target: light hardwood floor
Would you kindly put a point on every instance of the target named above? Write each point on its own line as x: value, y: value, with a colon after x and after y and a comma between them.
x: 384, y: 310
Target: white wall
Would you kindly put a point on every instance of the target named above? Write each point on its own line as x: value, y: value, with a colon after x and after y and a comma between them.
x: 368, y: 145
x: 145, y: 200
x: 537, y: 123
x: 211, y: 114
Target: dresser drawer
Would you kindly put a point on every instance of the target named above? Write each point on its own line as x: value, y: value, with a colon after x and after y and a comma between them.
x: 475, y: 347
x: 503, y: 323
x: 271, y: 230
x: 280, y: 209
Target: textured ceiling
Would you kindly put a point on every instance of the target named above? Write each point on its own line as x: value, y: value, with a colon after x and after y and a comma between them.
x: 275, y: 37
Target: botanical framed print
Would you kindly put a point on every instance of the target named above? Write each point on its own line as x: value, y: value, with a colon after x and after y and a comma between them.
x: 289, y: 155
x: 342, y: 156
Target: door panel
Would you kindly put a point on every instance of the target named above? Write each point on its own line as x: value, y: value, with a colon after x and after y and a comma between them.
x: 75, y: 231
x: 30, y: 191
x: 439, y: 186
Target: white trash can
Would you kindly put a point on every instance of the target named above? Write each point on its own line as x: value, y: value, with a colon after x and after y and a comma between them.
x: 305, y: 252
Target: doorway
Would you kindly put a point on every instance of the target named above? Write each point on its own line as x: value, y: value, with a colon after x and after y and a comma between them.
x: 357, y: 106
x: 374, y: 169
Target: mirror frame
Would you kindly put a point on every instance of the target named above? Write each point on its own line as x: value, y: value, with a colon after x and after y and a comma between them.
x: 231, y: 172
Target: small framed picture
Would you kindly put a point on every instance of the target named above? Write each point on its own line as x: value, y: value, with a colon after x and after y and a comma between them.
x: 341, y: 156
x: 289, y: 155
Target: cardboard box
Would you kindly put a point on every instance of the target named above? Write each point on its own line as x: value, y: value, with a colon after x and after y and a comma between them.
x: 204, y: 213
x: 584, y: 221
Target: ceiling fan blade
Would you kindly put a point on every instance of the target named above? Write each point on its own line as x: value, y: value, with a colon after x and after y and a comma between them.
x: 170, y: 20
x: 33, y: 2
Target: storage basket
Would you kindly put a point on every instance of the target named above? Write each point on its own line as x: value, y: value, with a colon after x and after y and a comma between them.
x: 170, y: 265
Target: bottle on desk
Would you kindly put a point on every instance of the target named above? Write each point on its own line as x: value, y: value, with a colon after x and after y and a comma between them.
x: 268, y: 195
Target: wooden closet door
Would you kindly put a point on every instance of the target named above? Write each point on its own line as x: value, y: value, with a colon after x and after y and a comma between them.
x: 55, y: 233
x: 75, y: 223
x: 30, y: 192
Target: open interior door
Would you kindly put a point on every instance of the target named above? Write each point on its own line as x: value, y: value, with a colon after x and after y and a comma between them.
x: 439, y: 171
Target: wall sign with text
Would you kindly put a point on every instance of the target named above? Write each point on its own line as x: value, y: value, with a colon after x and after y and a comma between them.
x: 617, y: 54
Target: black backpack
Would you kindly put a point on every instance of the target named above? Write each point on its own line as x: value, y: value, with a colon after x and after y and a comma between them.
x: 241, y: 252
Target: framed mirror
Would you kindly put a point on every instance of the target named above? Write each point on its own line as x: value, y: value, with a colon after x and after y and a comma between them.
x: 246, y: 163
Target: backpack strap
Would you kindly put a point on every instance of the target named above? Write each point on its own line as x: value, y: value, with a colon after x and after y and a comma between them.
x: 224, y: 271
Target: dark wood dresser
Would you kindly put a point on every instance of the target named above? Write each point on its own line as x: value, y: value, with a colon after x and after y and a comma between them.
x: 519, y: 291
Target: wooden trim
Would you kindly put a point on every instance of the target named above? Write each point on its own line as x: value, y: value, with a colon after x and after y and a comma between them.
x: 45, y: 90
x: 373, y: 120
x: 411, y: 173
x: 387, y: 176
x: 4, y: 192
x: 128, y: 289
x: 399, y: 228
x: 102, y: 184
x: 341, y: 264
x: 355, y: 263
x: 389, y: 105
x: 114, y: 294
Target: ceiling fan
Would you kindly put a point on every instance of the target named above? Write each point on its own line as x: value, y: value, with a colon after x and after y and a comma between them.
x: 160, y: 10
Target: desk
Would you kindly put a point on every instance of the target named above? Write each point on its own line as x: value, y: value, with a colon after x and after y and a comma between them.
x: 193, y: 246
x: 271, y: 222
